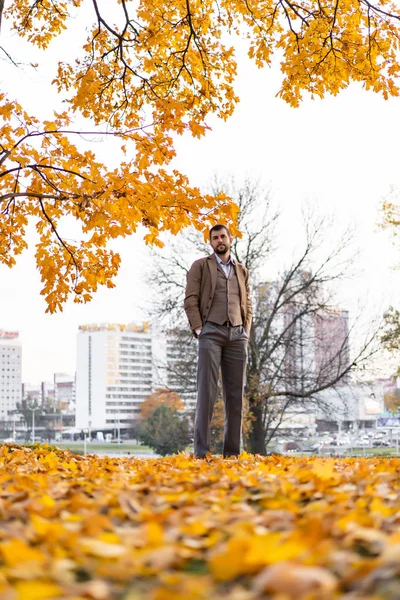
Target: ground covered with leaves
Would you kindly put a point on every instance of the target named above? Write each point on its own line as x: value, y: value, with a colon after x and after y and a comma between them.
x: 179, y: 528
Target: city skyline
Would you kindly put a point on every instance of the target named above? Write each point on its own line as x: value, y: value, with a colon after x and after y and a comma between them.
x: 119, y: 365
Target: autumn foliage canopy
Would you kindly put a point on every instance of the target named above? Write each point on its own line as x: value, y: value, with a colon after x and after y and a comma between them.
x: 147, y: 72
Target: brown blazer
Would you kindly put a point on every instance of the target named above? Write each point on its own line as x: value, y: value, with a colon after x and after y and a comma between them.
x: 201, y: 280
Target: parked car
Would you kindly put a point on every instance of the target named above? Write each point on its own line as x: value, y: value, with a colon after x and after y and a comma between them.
x: 292, y: 447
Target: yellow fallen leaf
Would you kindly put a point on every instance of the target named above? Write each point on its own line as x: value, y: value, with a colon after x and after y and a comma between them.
x: 36, y: 590
x: 271, y: 548
x: 110, y: 537
x: 377, y: 506
x: 102, y: 549
x: 324, y: 469
x: 46, y: 528
x: 16, y: 552
x: 154, y: 534
x: 47, y: 501
x: 195, y: 528
x: 228, y: 564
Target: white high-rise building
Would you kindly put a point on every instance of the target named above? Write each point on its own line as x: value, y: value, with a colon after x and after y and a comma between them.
x: 10, y: 373
x: 114, y: 373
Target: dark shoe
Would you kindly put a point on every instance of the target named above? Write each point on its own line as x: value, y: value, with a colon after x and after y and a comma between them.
x: 205, y: 456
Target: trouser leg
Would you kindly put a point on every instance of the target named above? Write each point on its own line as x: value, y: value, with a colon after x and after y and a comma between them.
x: 233, y: 367
x: 209, y: 359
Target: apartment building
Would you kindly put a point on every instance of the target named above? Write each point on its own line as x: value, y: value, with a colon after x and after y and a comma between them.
x: 114, y: 373
x: 10, y: 373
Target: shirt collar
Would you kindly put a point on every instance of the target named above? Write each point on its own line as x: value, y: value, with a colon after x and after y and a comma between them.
x: 230, y: 260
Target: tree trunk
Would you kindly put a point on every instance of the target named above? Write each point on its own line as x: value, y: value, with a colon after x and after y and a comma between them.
x: 256, y: 437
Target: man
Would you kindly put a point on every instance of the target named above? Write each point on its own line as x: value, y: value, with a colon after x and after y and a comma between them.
x: 218, y: 307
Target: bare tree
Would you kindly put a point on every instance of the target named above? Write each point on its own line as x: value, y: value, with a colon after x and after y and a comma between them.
x: 179, y: 371
x: 391, y: 333
x: 299, y: 341
x: 300, y: 347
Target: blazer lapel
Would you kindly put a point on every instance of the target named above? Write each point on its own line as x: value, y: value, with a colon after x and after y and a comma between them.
x: 212, y: 265
x: 240, y: 278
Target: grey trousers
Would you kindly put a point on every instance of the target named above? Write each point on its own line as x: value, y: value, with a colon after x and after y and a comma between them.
x: 225, y: 347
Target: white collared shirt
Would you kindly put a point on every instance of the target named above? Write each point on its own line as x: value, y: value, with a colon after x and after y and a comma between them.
x: 226, y: 267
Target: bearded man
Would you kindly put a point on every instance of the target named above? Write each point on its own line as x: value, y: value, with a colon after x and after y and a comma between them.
x: 218, y: 307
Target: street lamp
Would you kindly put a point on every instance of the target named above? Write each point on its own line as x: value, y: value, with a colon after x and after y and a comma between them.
x: 85, y: 432
x: 14, y: 413
x: 59, y: 407
x: 33, y: 408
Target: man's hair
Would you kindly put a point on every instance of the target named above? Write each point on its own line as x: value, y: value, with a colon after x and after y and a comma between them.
x: 218, y: 228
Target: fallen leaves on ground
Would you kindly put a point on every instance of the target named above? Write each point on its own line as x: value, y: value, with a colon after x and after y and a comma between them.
x: 178, y: 528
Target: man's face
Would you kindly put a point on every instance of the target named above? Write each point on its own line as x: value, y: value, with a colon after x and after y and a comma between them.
x: 220, y: 241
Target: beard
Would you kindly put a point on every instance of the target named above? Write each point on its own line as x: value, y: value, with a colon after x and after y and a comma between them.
x: 221, y: 249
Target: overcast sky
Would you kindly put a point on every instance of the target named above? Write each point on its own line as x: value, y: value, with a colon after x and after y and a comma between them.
x: 339, y: 153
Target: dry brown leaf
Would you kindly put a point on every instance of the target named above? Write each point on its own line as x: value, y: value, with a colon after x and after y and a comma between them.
x: 369, y: 541
x: 296, y: 581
